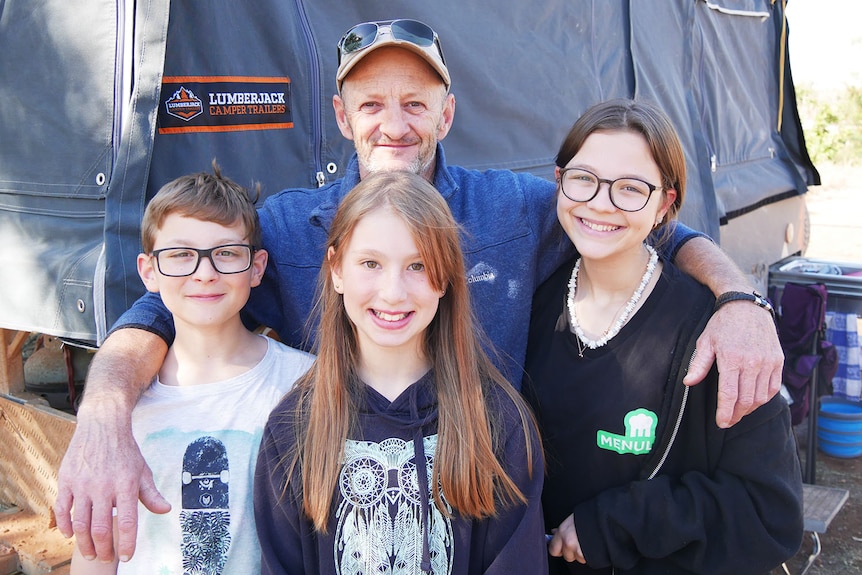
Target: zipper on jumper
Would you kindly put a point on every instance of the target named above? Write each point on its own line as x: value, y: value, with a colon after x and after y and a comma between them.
x: 676, y: 427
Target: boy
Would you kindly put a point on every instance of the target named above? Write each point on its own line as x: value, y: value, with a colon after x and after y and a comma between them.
x: 200, y: 421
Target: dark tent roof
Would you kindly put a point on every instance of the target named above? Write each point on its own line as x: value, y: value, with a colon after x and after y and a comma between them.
x: 79, y: 156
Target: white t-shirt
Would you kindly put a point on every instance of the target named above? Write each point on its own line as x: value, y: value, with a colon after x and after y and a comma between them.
x: 201, y: 442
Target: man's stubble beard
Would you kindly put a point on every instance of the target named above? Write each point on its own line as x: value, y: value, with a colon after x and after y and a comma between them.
x: 416, y: 166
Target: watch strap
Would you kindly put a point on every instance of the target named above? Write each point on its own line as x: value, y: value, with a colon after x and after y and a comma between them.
x: 753, y: 296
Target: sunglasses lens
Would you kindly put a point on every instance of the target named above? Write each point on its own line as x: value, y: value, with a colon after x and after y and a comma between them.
x: 413, y: 31
x: 359, y: 37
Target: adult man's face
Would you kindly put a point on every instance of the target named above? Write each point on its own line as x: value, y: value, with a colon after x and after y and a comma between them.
x: 395, y: 108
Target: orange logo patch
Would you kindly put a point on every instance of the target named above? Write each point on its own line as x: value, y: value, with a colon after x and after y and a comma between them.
x: 224, y: 104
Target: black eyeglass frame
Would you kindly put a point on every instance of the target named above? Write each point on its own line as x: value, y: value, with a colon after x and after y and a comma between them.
x: 599, y: 181
x: 434, y: 40
x: 204, y: 254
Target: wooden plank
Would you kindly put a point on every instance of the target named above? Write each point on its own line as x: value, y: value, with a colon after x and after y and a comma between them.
x: 34, y: 439
x: 820, y: 505
x: 11, y: 362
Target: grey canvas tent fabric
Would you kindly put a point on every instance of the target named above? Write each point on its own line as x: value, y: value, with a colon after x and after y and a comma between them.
x: 57, y: 70
x: 79, y: 159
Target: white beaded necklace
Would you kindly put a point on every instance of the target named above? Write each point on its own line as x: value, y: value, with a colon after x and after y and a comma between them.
x: 615, y: 328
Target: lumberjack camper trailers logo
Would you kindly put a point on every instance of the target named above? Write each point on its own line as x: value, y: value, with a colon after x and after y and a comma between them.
x: 224, y: 104
x: 184, y: 105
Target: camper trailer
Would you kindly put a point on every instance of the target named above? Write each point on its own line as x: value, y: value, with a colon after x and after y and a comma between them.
x: 104, y: 101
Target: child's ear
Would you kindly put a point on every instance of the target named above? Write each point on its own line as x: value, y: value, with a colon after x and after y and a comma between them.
x: 669, y: 199
x: 335, y: 271
x: 147, y: 271
x: 258, y: 266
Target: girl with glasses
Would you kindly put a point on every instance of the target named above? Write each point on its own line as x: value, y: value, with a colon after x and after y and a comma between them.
x: 403, y: 450
x: 640, y: 479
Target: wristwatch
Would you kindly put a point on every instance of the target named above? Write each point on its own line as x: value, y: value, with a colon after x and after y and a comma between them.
x: 754, y: 297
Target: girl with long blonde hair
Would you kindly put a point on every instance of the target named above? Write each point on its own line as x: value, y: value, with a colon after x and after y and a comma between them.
x: 403, y: 449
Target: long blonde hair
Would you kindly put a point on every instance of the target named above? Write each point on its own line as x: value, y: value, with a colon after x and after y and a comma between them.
x: 465, y: 465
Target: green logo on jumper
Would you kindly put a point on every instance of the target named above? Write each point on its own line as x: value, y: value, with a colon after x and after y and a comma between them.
x: 639, y: 437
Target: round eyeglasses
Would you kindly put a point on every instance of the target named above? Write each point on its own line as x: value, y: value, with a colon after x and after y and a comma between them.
x: 182, y: 261
x: 627, y: 194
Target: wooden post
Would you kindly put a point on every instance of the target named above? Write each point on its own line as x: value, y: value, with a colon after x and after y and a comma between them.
x: 11, y: 362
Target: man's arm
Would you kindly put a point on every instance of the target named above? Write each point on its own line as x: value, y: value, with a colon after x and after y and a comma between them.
x: 740, y: 337
x: 103, y: 467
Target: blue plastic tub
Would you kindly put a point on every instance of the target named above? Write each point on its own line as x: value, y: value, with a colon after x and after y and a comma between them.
x: 839, y: 427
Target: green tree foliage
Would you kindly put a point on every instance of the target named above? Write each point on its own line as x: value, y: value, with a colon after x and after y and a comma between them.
x: 832, y: 124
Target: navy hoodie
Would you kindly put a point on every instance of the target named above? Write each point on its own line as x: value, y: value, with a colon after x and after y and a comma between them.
x: 384, y: 519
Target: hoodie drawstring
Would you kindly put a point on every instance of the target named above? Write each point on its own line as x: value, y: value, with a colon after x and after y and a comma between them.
x: 416, y: 424
x: 422, y: 478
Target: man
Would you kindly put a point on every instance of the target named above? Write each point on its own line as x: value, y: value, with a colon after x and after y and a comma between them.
x: 394, y: 103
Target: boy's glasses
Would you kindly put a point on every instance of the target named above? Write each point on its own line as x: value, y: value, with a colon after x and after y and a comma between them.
x: 366, y: 34
x: 627, y: 194
x: 226, y: 259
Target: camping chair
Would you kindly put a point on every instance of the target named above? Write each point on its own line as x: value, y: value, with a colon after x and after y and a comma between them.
x: 810, y: 363
x: 809, y: 360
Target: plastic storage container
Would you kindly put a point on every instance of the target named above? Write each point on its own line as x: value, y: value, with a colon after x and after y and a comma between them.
x: 839, y: 427
x: 842, y: 280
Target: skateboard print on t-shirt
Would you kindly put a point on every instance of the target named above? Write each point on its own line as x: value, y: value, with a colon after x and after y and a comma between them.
x: 205, y: 517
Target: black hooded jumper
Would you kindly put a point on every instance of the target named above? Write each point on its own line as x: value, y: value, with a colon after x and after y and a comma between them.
x: 686, y: 497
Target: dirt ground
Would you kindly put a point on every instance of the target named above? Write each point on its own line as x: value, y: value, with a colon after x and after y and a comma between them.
x: 841, y: 545
x: 834, y: 208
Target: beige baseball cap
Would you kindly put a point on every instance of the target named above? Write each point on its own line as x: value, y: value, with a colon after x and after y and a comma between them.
x: 411, y: 35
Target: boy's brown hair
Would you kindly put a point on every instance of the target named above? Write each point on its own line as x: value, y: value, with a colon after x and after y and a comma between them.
x: 202, y: 196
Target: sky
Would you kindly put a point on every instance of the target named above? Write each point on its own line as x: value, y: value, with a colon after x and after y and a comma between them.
x: 825, y: 42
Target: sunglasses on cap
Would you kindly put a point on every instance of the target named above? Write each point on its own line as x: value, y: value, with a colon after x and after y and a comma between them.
x: 366, y: 34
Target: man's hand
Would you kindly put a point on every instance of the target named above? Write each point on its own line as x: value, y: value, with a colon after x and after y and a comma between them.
x: 565, y: 542
x: 742, y: 339
x: 103, y: 468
